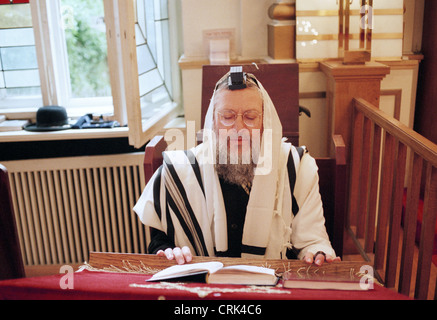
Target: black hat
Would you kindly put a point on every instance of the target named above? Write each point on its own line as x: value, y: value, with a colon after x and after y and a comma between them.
x: 50, y: 118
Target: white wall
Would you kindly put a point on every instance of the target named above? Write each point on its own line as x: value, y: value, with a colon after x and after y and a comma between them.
x: 249, y: 19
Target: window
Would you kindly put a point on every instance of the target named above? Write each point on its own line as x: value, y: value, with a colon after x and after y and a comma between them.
x: 19, y: 75
x: 153, y: 54
x: 95, y: 56
x: 144, y: 26
x: 72, y: 51
x: 84, y: 29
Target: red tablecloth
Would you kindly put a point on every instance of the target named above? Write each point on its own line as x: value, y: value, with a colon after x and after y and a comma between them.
x: 124, y: 286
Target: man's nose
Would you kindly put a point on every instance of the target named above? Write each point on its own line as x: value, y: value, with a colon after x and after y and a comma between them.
x: 239, y: 123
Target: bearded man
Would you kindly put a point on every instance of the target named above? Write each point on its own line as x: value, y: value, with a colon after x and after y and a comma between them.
x: 243, y: 192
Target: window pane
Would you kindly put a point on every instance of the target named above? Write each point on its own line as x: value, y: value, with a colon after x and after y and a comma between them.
x: 150, y: 81
x: 161, y: 9
x: 85, y: 34
x: 19, y: 76
x: 15, y: 16
x: 19, y: 58
x: 153, y: 53
x: 163, y: 50
x: 150, y: 26
x: 16, y: 37
x: 145, y: 60
x: 22, y: 78
x: 152, y: 102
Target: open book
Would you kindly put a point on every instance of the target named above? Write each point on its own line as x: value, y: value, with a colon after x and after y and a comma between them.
x: 328, y: 282
x: 215, y: 272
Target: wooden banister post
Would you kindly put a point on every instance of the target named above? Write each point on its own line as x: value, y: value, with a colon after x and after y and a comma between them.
x: 345, y: 82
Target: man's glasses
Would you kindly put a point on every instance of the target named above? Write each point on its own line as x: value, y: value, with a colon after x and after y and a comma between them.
x: 251, y: 118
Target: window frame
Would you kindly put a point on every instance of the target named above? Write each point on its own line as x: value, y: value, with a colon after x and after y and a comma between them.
x: 121, y: 31
x: 52, y: 65
x: 23, y: 103
x: 53, y: 62
x: 122, y: 61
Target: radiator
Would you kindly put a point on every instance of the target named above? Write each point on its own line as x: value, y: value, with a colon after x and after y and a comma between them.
x: 67, y: 207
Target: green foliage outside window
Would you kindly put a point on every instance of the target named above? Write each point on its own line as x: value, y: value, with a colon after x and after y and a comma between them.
x: 86, y: 46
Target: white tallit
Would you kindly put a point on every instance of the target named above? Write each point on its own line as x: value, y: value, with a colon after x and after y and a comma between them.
x: 270, y: 226
x: 267, y: 194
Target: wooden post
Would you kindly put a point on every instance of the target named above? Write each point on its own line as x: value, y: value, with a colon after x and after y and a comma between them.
x: 346, y: 82
x: 282, y: 31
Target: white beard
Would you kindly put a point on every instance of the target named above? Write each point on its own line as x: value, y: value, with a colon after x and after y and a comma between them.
x: 240, y: 173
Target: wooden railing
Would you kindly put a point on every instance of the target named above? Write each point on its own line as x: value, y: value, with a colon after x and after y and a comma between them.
x: 390, y: 161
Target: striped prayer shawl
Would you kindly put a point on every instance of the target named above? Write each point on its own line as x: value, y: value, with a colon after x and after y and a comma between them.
x: 184, y: 198
x: 173, y: 207
x: 168, y: 189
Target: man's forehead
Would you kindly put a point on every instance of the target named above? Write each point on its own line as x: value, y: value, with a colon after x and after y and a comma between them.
x: 249, y: 96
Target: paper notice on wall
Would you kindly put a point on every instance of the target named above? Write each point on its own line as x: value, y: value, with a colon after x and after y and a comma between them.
x: 213, y: 36
x: 219, y: 51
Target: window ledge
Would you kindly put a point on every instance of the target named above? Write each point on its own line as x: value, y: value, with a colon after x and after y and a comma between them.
x: 73, y: 134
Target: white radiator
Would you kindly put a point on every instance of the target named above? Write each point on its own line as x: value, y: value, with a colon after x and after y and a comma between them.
x: 67, y: 207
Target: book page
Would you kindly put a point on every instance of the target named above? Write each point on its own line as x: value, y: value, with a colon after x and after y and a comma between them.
x: 243, y: 275
x: 246, y: 268
x: 187, y: 269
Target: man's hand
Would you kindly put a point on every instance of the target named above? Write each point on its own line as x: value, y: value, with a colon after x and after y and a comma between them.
x: 319, y: 258
x: 180, y: 255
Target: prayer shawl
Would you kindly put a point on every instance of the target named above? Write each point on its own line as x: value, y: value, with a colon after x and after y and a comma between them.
x: 184, y: 198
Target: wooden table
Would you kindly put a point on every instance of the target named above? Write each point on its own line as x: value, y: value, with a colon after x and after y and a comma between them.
x: 123, y: 276
x: 153, y: 263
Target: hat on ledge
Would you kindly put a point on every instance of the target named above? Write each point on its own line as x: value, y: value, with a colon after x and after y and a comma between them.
x: 50, y: 118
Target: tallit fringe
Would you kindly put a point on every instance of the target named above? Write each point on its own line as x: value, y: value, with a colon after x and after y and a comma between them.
x: 126, y: 268
x: 204, y: 291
